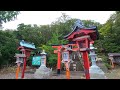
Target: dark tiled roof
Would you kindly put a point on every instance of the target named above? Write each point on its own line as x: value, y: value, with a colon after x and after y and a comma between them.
x: 113, y: 54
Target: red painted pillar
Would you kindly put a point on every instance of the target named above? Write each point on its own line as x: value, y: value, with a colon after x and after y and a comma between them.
x: 24, y: 65
x: 59, y: 61
x: 86, y: 64
x: 58, y: 58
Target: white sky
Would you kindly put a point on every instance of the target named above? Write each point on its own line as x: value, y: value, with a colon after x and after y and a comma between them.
x: 46, y: 17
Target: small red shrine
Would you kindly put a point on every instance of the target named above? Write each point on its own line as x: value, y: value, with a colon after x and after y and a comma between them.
x: 26, y: 49
x: 79, y: 40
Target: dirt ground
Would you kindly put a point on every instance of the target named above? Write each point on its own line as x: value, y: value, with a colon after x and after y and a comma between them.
x: 29, y: 74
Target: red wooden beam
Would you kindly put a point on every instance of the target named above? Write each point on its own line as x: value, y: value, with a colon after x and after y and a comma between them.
x: 84, y: 50
x: 24, y: 65
x: 58, y: 58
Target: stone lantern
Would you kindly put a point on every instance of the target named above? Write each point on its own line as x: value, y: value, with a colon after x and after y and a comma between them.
x: 43, y: 72
x: 19, y: 61
x: 95, y: 71
x: 19, y: 58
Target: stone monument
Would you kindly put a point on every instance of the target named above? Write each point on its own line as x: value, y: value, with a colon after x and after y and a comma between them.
x: 95, y: 71
x: 43, y: 72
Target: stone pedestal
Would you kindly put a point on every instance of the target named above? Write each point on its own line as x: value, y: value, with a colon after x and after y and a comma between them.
x: 96, y: 72
x: 43, y: 73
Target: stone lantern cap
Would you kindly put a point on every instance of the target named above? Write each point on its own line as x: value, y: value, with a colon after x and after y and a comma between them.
x: 92, y: 54
x: 19, y: 58
x: 43, y: 52
x: 19, y: 62
x: 92, y: 47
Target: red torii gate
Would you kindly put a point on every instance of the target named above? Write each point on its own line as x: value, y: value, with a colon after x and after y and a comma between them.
x: 81, y: 38
x: 58, y: 51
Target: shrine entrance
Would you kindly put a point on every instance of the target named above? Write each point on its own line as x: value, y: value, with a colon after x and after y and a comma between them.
x: 77, y: 64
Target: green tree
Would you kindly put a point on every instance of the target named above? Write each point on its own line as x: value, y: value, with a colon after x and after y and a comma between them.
x: 29, y: 33
x: 42, y: 36
x: 110, y: 34
x: 6, y: 16
x: 8, y: 47
x: 88, y: 23
x: 52, y: 57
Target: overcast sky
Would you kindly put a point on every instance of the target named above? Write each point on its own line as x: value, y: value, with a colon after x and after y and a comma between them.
x: 46, y: 17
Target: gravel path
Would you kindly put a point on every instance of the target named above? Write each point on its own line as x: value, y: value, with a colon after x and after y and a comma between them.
x: 113, y: 74
x: 74, y: 75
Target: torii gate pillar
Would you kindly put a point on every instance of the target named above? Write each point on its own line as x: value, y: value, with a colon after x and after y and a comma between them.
x: 58, y: 58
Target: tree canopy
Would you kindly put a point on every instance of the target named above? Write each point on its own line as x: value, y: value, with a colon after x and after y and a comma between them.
x: 6, y: 16
x: 43, y: 36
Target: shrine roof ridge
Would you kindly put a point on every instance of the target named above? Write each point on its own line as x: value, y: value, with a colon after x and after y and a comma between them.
x: 113, y: 54
x: 92, y: 28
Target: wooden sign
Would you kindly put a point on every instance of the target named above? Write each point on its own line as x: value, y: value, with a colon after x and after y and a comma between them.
x: 36, y: 60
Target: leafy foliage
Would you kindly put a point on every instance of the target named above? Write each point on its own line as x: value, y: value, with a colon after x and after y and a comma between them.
x: 6, y: 16
x: 109, y: 34
x: 44, y: 36
x: 7, y: 47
